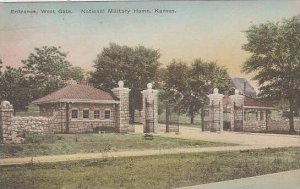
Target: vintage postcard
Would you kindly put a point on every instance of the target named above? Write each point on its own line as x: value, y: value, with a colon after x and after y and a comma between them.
x: 150, y: 94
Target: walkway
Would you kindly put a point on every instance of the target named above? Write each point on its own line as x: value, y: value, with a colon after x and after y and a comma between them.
x: 282, y: 180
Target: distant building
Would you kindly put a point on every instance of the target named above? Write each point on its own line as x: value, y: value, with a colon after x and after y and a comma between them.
x: 244, y: 87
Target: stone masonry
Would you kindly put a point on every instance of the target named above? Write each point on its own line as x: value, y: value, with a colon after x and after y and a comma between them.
x: 237, y: 110
x: 150, y: 109
x: 122, y: 109
x: 14, y: 128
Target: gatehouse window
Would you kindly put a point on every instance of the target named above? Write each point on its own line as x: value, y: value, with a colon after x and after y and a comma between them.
x: 74, y: 114
x: 96, y: 114
x: 257, y: 116
x: 107, y: 114
x: 86, y: 114
x: 261, y: 116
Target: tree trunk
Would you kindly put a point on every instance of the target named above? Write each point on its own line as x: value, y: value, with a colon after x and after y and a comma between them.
x: 202, y: 119
x: 192, y: 118
x: 291, y: 115
x: 167, y: 117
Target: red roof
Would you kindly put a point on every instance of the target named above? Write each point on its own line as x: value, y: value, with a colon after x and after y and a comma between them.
x: 248, y: 101
x: 76, y: 92
x: 256, y: 102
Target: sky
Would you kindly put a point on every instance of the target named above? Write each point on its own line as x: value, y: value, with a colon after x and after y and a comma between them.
x: 210, y: 30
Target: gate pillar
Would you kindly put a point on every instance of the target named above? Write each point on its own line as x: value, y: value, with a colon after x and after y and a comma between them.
x: 237, y: 111
x: 150, y: 109
x: 122, y: 109
x: 216, y: 110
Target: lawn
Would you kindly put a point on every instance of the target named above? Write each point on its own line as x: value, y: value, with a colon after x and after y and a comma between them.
x: 37, y: 145
x: 161, y: 171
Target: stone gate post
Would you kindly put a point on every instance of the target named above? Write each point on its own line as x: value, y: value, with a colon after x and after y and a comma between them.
x: 122, y: 109
x: 237, y: 112
x: 150, y: 109
x: 216, y: 110
x: 6, y: 115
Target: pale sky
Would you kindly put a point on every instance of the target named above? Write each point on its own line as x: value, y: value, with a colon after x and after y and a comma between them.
x: 211, y: 30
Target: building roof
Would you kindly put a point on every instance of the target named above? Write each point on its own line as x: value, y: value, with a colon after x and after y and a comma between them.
x: 244, y: 87
x: 77, y: 93
x: 250, y: 102
x: 254, y: 102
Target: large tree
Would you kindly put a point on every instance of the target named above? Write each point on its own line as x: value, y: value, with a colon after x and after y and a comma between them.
x: 15, y: 88
x: 48, y: 69
x: 275, y: 60
x: 190, y: 85
x: 45, y: 70
x: 136, y: 66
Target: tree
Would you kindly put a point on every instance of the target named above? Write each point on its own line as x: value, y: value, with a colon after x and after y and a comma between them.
x: 190, y: 85
x: 48, y: 69
x: 135, y: 66
x: 15, y: 88
x: 275, y: 60
x: 45, y: 70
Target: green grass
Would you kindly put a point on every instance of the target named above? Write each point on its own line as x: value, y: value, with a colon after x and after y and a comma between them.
x: 162, y: 171
x: 92, y: 143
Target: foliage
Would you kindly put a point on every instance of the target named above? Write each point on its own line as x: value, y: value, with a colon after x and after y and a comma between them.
x: 275, y: 60
x: 15, y: 87
x: 49, y: 70
x: 190, y: 85
x: 136, y: 66
x: 44, y: 71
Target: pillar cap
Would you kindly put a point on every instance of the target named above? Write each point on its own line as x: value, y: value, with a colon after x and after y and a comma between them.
x: 149, y: 86
x: 121, y: 84
x: 216, y: 91
x: 6, y: 105
x: 236, y: 92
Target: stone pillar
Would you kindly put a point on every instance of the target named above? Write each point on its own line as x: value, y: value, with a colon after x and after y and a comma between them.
x: 122, y: 109
x: 216, y: 110
x: 6, y: 115
x: 150, y: 109
x: 237, y: 110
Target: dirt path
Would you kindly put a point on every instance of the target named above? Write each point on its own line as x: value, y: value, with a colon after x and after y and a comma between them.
x: 246, y: 142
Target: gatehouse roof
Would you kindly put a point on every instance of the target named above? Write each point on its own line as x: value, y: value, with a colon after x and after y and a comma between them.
x: 78, y: 93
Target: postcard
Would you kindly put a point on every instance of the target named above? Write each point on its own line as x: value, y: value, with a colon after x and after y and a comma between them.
x: 150, y: 94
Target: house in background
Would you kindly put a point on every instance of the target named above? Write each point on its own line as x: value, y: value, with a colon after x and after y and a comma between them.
x: 244, y: 87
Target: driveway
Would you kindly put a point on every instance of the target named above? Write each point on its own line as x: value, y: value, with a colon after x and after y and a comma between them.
x: 246, y: 141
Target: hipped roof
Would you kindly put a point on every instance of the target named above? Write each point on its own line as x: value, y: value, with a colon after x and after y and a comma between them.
x: 77, y: 92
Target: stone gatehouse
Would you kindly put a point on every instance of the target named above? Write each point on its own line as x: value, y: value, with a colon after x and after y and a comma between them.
x: 243, y: 113
x: 79, y: 109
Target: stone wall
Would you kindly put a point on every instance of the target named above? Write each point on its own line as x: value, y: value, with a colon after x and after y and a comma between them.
x: 82, y: 125
x: 282, y: 125
x: 253, y: 121
x: 254, y: 126
x: 13, y: 128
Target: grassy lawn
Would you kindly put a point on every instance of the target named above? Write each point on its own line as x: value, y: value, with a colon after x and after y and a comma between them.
x: 89, y: 143
x: 163, y: 171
